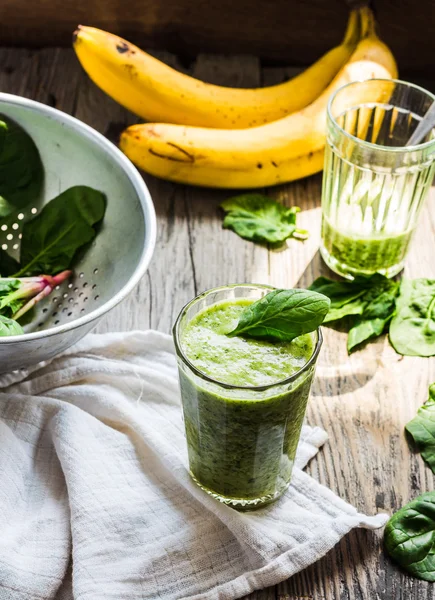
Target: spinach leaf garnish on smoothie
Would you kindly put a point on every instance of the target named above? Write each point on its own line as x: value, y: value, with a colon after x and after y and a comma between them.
x: 283, y: 315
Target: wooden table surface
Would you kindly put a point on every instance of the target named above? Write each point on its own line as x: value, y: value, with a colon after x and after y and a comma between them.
x: 363, y: 401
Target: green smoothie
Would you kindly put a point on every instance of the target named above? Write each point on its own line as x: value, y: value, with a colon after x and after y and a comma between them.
x: 242, y: 443
x: 364, y: 255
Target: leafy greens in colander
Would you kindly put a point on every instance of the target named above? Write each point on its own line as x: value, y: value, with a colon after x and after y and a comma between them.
x: 51, y: 240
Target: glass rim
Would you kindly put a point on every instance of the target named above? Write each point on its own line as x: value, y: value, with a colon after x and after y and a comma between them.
x: 371, y: 145
x: 228, y: 386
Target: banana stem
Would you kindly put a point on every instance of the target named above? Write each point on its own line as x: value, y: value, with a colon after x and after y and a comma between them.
x: 368, y: 25
x: 352, y: 33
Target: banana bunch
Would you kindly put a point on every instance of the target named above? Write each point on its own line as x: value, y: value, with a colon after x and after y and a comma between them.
x: 188, y: 148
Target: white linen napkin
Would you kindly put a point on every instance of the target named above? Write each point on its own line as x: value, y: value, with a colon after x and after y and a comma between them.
x: 93, y: 471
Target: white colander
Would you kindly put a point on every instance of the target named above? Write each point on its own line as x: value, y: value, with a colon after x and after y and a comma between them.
x: 75, y: 154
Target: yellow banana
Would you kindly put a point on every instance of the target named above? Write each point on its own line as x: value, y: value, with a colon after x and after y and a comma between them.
x: 284, y: 150
x: 156, y: 92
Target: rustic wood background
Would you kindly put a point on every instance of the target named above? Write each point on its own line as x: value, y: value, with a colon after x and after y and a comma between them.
x: 363, y: 401
x: 295, y: 31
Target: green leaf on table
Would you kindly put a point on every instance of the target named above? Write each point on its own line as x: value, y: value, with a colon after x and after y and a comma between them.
x: 261, y: 219
x: 356, y: 307
x: 410, y: 535
x: 8, y: 265
x: 282, y: 315
x: 412, y: 330
x: 422, y: 429
x: 21, y: 169
x: 363, y: 331
x: 9, y: 327
x: 339, y: 292
x: 369, y: 301
x: 51, y: 239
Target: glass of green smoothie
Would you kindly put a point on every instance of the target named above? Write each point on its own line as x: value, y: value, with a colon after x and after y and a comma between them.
x: 244, y: 400
x: 374, y: 185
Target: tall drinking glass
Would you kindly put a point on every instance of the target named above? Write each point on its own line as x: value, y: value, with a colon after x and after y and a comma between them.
x: 374, y: 186
x: 241, y: 438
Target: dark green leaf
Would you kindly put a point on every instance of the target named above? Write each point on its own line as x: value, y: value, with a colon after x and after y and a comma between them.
x: 339, y: 292
x: 364, y: 330
x: 8, y: 265
x: 412, y: 330
x: 422, y: 429
x: 282, y: 315
x: 410, y: 537
x: 9, y: 327
x: 21, y: 170
x: 356, y: 307
x: 52, y: 238
x: 8, y: 303
x: 260, y: 219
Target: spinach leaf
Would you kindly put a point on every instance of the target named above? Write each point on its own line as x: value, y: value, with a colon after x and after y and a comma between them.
x: 10, y: 300
x: 21, y: 170
x: 370, y: 301
x: 52, y: 238
x: 412, y: 330
x: 422, y: 429
x: 261, y: 219
x: 356, y: 307
x: 378, y: 310
x: 9, y: 327
x: 410, y: 537
x: 8, y: 265
x: 339, y: 292
x: 364, y: 330
x: 282, y: 315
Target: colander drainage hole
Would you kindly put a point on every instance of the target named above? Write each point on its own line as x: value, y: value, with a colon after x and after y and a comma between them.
x: 21, y: 216
x: 70, y: 300
x: 81, y: 275
x: 95, y: 271
x: 4, y: 227
x: 96, y: 297
x: 65, y: 295
x: 15, y: 226
x: 4, y: 246
x: 94, y: 286
x: 83, y: 310
x: 9, y: 237
x: 69, y: 314
x: 56, y: 322
x: 70, y: 285
x: 34, y: 211
x: 85, y: 284
x: 44, y: 310
x: 54, y: 314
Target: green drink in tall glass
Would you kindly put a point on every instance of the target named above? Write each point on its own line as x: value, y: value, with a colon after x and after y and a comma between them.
x: 244, y: 400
